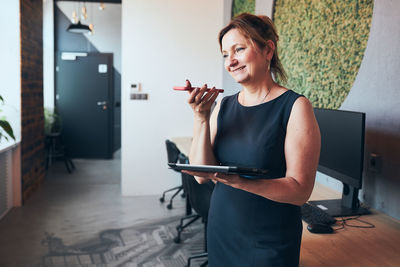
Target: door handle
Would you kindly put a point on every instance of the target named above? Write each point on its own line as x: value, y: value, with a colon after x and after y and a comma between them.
x: 101, y: 103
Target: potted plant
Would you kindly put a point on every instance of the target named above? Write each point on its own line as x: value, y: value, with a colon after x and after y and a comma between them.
x: 52, y: 121
x: 5, y: 127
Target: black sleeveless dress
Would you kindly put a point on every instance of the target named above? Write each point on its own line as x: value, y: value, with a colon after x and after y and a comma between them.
x: 245, y: 229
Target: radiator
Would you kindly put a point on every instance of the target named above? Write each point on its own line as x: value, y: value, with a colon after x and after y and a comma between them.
x: 5, y: 182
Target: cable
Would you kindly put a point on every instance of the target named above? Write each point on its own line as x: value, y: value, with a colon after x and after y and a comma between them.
x: 344, y: 223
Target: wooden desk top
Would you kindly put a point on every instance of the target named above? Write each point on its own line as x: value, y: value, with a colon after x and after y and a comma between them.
x: 379, y: 246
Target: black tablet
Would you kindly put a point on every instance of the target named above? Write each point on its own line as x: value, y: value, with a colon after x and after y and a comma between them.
x: 221, y: 169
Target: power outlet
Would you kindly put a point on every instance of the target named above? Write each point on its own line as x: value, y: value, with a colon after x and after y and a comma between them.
x: 374, y: 162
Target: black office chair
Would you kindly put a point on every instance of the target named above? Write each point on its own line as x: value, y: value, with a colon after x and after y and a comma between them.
x: 174, y: 155
x: 199, y: 198
x: 189, y: 216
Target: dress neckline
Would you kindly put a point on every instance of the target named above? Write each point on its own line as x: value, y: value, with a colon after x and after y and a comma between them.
x: 261, y: 104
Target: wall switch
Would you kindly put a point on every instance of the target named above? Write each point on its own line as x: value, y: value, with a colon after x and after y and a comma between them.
x: 136, y: 87
x: 139, y: 96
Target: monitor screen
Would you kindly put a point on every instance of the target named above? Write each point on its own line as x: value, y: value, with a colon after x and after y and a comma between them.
x: 342, y: 145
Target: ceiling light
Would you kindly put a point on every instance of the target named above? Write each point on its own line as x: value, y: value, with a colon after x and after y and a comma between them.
x: 78, y: 28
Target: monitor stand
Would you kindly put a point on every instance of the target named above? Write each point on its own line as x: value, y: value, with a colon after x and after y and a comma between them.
x: 349, y: 205
x: 334, y: 208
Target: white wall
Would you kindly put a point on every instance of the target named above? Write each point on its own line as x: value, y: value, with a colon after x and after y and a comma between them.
x: 265, y: 7
x: 48, y: 54
x: 163, y: 43
x: 10, y: 88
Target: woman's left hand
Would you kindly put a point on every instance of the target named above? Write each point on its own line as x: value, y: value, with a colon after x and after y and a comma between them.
x: 233, y: 180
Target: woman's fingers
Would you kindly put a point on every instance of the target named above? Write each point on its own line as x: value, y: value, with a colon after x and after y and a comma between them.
x: 208, y: 175
x: 188, y: 84
x: 200, y: 94
x: 193, y: 95
x: 200, y: 99
x: 211, y: 95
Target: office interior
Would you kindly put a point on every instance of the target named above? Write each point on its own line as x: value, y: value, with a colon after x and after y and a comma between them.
x: 162, y: 43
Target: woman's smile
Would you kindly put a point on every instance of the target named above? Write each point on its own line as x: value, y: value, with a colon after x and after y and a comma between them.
x: 239, y: 69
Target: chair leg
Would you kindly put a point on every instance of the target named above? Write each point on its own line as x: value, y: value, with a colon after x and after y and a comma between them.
x: 204, y: 263
x: 169, y: 206
x: 205, y: 254
x: 193, y: 217
x: 71, y: 163
x: 188, y: 206
x: 182, y: 226
x: 67, y: 164
x: 162, y: 199
x: 202, y: 255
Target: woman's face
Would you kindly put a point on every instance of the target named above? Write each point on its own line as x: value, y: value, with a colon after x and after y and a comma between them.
x: 245, y: 62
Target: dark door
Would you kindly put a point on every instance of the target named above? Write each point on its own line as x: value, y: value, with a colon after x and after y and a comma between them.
x: 84, y: 97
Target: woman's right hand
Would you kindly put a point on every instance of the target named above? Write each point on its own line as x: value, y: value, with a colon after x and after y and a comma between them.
x: 201, y: 101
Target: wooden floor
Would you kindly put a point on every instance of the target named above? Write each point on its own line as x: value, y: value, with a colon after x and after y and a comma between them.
x: 379, y: 246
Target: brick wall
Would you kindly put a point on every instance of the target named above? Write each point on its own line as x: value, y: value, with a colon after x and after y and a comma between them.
x: 32, y: 120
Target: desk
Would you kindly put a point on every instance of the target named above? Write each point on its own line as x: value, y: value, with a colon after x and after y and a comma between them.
x: 379, y: 246
x: 183, y: 143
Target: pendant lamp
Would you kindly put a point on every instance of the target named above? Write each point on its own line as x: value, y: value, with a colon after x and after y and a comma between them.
x: 78, y: 28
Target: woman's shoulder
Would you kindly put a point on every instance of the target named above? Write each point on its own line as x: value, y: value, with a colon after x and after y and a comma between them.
x: 228, y: 100
x: 289, y: 93
x: 230, y: 97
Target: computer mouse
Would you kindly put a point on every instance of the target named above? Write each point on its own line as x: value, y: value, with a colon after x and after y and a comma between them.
x: 319, y: 228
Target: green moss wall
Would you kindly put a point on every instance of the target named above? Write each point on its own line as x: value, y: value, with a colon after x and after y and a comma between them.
x: 321, y: 46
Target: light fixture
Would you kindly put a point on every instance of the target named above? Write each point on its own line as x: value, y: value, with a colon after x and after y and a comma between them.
x: 101, y: 6
x: 74, y: 17
x: 91, y: 26
x: 84, y: 12
x: 78, y: 28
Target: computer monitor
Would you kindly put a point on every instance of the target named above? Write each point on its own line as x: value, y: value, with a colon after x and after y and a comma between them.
x: 342, y: 158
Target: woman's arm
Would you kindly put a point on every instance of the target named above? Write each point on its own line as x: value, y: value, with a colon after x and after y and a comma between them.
x: 302, y: 147
x: 204, y: 130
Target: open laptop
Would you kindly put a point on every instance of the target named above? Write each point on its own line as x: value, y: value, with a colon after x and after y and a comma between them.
x: 217, y: 168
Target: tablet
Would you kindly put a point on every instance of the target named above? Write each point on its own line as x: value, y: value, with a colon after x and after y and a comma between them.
x: 221, y: 169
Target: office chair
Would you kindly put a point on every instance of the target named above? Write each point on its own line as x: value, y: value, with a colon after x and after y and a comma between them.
x: 199, y: 198
x: 174, y: 155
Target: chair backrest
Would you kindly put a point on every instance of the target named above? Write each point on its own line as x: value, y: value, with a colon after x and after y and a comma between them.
x: 174, y: 154
x: 172, y: 151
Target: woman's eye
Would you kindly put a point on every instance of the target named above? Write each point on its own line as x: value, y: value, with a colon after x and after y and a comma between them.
x: 224, y: 55
x: 239, y: 49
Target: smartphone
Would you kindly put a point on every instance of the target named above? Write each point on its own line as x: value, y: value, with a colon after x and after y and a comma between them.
x: 183, y: 88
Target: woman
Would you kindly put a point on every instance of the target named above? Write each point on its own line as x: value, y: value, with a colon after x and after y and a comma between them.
x: 255, y: 221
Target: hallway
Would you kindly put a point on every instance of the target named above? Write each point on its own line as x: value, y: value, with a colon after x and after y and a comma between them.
x: 74, y: 207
